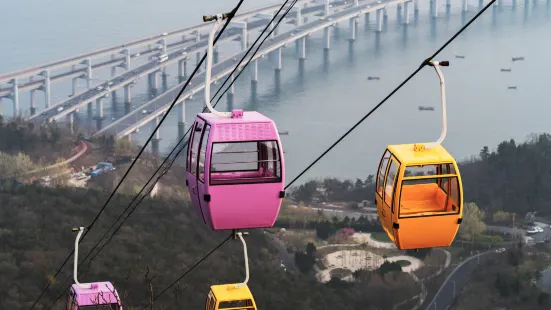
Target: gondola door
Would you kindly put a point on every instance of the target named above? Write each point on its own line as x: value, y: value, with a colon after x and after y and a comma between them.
x: 192, y: 165
x: 390, y: 188
x: 202, y: 175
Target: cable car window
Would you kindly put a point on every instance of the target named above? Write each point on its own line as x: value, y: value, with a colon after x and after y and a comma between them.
x: 389, y: 182
x: 425, y: 197
x: 245, y: 162
x: 196, y: 137
x: 112, y: 306
x: 381, y: 173
x: 202, y: 153
x: 237, y: 304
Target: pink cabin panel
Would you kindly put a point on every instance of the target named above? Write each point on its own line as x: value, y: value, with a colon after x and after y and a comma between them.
x: 101, y: 293
x: 252, y: 205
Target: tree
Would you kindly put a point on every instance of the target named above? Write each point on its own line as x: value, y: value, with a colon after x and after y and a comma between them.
x: 484, y: 153
x: 473, y: 223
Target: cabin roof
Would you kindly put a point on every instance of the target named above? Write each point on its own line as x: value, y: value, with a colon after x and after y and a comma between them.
x: 248, y: 117
x: 228, y: 292
x: 102, y: 287
x: 406, y: 155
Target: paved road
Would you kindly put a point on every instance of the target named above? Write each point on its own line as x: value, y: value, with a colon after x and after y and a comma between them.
x: 445, y: 295
x: 287, y: 259
x: 135, y: 119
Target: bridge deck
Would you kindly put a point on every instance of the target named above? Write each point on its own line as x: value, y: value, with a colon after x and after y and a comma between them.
x: 133, y: 120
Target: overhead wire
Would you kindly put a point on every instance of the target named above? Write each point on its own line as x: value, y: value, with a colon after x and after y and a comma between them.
x: 89, y: 227
x: 180, y: 141
x: 425, y: 62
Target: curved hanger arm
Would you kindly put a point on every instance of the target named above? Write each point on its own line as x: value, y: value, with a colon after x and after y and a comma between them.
x: 246, y: 260
x: 436, y: 66
x: 75, y: 267
x: 217, y: 23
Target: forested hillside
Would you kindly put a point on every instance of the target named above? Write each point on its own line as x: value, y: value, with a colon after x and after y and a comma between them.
x: 513, y: 178
x: 35, y: 238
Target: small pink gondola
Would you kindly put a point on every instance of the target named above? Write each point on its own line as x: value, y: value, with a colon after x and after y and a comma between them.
x: 88, y: 296
x: 235, y: 168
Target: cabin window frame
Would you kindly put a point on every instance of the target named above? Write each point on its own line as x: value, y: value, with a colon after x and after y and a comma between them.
x: 211, y: 301
x: 191, y: 169
x: 279, y: 167
x: 249, y: 305
x: 377, y: 182
x: 206, y: 140
x: 99, y: 306
x: 438, y: 177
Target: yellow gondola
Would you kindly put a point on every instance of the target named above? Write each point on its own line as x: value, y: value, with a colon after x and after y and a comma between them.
x: 419, y: 192
x: 232, y: 296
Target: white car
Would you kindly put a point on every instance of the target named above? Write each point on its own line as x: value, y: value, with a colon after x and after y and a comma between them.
x: 59, y: 109
x: 164, y: 33
x: 500, y: 250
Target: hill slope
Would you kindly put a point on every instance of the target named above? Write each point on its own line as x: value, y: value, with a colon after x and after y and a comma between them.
x: 35, y: 238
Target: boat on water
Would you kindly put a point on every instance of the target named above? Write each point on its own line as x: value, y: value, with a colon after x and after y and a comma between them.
x: 424, y: 108
x: 512, y: 87
x: 518, y: 58
x: 505, y: 70
x: 459, y: 56
x: 285, y: 132
x: 369, y: 78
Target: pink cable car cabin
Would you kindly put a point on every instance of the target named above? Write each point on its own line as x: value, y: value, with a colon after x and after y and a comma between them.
x: 235, y: 170
x: 102, y: 296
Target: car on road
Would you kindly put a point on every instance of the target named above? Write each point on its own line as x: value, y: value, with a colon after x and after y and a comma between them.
x: 164, y: 33
x: 500, y: 250
x: 59, y: 109
x: 99, y: 88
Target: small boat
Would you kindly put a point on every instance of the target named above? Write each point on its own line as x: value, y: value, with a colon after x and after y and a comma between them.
x: 423, y: 108
x: 285, y: 132
x: 460, y: 56
x: 518, y: 58
x: 505, y: 70
x: 369, y: 78
x: 512, y: 87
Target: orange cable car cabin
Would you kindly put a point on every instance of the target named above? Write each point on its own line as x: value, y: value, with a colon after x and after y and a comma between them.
x: 229, y: 296
x: 419, y: 196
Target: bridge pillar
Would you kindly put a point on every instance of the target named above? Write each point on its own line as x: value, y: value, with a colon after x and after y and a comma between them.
x: 99, y: 108
x: 327, y: 36
x: 406, y: 13
x: 399, y: 13
x: 379, y: 20
x: 127, y: 94
x: 74, y: 84
x: 197, y: 34
x: 46, y: 87
x: 352, y: 23
x: 157, y: 136
x: 71, y: 120
x: 15, y: 96
x: 244, y: 33
x: 33, y: 108
x: 153, y: 80
x: 268, y: 16
x: 214, y: 55
x: 88, y: 63
x: 366, y: 19
x: 126, y: 64
x: 114, y: 68
x: 448, y: 4
x: 182, y: 68
x: 254, y: 72
x: 434, y: 8
x: 465, y: 8
x: 356, y: 3
x: 182, y: 112
x: 326, y: 8
x: 278, y: 58
x: 163, y: 45
x: 415, y: 6
x: 231, y: 90
x: 299, y: 19
x: 302, y: 48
